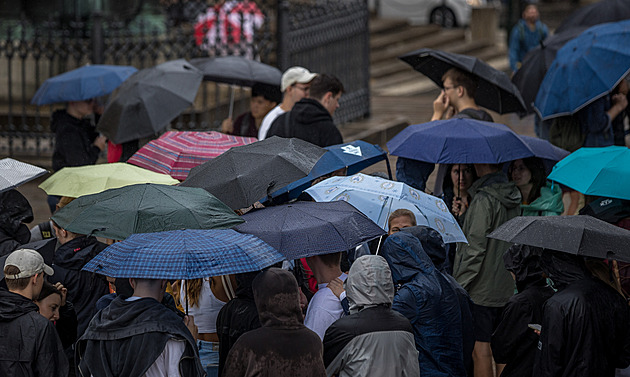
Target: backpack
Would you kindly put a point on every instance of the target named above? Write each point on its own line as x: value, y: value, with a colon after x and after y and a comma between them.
x: 565, y: 132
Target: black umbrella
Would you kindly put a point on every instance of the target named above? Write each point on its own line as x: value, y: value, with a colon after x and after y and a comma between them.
x: 237, y: 70
x: 597, y: 13
x: 536, y: 63
x: 579, y: 235
x: 243, y: 175
x: 495, y: 92
x: 149, y: 100
x: 304, y: 229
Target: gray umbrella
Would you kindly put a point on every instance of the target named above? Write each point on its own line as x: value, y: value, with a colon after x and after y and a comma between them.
x: 149, y: 100
x: 579, y: 235
x: 243, y: 175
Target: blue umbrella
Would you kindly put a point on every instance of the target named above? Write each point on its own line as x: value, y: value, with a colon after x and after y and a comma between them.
x: 544, y: 149
x: 304, y: 229
x: 89, y: 81
x: 377, y: 198
x: 355, y: 156
x: 459, y: 141
x: 184, y: 254
x: 596, y: 171
x: 585, y: 69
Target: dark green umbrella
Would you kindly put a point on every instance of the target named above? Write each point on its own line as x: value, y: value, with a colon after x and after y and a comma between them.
x: 145, y: 208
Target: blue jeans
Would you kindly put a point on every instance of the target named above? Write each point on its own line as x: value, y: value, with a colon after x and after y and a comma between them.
x: 209, y: 356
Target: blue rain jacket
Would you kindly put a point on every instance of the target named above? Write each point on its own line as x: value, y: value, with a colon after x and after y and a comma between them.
x: 430, y: 303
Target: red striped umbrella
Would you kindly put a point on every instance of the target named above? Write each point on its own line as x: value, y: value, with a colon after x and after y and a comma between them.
x: 176, y: 152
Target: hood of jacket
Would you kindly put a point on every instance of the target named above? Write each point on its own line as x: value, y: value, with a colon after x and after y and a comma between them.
x: 563, y: 268
x: 550, y: 200
x: 432, y: 243
x: 14, y: 306
x: 74, y: 254
x: 498, y: 186
x: 244, y: 282
x: 406, y: 257
x: 309, y: 111
x: 369, y: 283
x: 524, y: 262
x: 14, y: 210
x: 277, y: 298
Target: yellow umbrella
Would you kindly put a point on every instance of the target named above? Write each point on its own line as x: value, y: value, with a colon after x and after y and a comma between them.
x: 92, y: 179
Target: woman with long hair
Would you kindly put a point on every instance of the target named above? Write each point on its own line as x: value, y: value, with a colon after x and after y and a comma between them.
x: 540, y: 198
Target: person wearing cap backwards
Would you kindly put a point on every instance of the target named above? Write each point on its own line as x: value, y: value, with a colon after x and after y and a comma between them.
x: 295, y: 85
x: 29, y: 344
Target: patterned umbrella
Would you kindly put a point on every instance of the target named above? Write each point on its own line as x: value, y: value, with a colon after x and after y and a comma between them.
x: 184, y: 254
x: 176, y: 152
x: 14, y: 173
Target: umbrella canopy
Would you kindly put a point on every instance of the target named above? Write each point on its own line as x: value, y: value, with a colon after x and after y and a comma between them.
x: 596, y: 171
x: 304, y: 229
x: 176, y: 152
x: 91, y: 179
x: 377, y: 198
x: 243, y: 175
x: 146, y: 208
x: 14, y: 173
x: 544, y: 149
x: 596, y: 13
x: 495, y: 91
x: 355, y: 156
x: 149, y: 100
x: 237, y: 70
x: 536, y: 63
x: 579, y: 235
x: 586, y: 68
x: 459, y: 141
x: 89, y: 81
x: 184, y: 254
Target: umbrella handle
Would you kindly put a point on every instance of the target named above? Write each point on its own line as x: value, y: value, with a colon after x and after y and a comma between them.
x: 378, y: 247
x: 231, y: 102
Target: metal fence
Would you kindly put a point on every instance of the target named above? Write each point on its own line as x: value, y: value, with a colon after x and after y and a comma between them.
x: 323, y: 35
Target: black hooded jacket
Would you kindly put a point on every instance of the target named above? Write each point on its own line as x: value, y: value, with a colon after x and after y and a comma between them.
x: 309, y: 121
x: 15, y: 210
x: 73, y: 141
x: 29, y: 345
x: 585, y: 328
x: 84, y: 288
x: 127, y: 337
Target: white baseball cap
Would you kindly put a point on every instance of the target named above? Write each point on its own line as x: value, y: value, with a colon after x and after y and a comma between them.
x: 30, y: 263
x: 294, y: 75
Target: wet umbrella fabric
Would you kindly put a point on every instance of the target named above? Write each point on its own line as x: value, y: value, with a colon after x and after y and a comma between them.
x: 149, y: 100
x: 377, y: 198
x: 579, y: 235
x: 495, y: 91
x: 84, y: 83
x: 91, y: 179
x: 13, y: 173
x: 356, y: 156
x: 544, y: 149
x: 596, y: 171
x: 176, y: 152
x: 304, y: 229
x: 237, y: 70
x: 536, y: 63
x: 146, y: 208
x: 585, y: 69
x: 597, y: 13
x: 244, y: 175
x: 459, y: 141
x: 184, y: 254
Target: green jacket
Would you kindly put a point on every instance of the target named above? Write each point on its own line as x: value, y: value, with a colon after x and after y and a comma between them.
x: 549, y: 203
x: 478, y: 265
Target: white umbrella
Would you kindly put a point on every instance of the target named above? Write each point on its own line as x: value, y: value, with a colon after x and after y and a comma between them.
x: 14, y: 173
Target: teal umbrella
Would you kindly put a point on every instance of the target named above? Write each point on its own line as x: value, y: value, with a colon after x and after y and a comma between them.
x: 145, y: 208
x: 596, y: 171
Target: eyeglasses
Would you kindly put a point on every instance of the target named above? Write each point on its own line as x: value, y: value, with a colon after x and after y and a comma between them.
x: 450, y: 87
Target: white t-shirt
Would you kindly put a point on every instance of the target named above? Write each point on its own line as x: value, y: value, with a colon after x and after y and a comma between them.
x: 268, y: 120
x: 167, y: 364
x: 324, y: 309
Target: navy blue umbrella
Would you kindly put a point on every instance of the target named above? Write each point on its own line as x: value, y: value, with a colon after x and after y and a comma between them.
x: 355, y: 156
x: 304, y: 229
x: 459, y: 141
x: 544, y: 149
x: 89, y: 81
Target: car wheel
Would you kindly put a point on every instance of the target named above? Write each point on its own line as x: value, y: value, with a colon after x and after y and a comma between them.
x: 444, y: 17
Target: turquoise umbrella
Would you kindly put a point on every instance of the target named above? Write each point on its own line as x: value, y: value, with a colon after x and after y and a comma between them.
x: 596, y: 171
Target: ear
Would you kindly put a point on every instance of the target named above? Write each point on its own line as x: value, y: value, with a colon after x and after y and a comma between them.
x: 132, y: 282
x: 327, y: 97
x: 34, y: 278
x: 460, y: 91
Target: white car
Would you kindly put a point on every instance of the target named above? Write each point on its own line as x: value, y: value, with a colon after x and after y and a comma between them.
x: 448, y: 13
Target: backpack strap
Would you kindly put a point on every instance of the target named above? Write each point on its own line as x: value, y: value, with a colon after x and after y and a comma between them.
x: 46, y: 230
